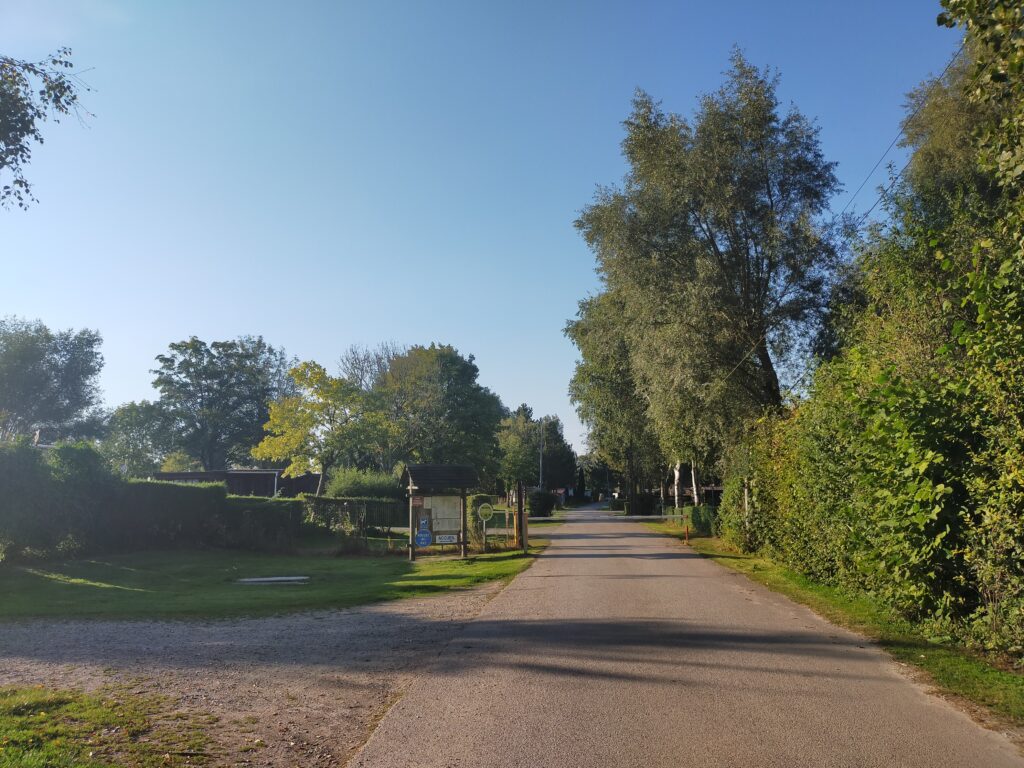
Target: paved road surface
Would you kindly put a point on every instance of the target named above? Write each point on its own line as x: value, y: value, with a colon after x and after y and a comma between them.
x: 623, y: 648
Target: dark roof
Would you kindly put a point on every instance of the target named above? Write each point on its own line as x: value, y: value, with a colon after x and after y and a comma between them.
x: 440, y: 477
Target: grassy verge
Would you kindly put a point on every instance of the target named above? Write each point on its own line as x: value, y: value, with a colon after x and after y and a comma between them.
x: 42, y: 728
x: 202, y: 584
x: 952, y: 669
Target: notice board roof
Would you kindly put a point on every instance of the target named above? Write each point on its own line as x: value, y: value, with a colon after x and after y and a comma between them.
x: 439, y: 477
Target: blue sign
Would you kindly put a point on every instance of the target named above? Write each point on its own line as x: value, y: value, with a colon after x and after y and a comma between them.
x: 423, y: 536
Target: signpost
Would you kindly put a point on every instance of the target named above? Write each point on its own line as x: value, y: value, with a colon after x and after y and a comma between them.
x: 485, y: 512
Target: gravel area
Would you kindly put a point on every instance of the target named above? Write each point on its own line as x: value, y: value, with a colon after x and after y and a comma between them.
x: 295, y: 690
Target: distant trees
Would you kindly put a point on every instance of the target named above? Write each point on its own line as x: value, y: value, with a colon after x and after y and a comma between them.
x: 520, y: 441
x: 31, y: 92
x: 136, y: 441
x: 421, y: 404
x: 48, y: 379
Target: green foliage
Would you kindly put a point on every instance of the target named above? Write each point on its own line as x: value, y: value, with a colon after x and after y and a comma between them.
x: 355, y: 516
x: 540, y: 503
x: 520, y: 441
x: 216, y: 397
x: 48, y: 380
x: 351, y: 482
x: 66, y: 501
x: 31, y: 93
x: 136, y: 440
x: 473, y: 522
x: 438, y: 410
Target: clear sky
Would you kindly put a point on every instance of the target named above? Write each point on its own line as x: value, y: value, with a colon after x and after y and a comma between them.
x: 337, y: 173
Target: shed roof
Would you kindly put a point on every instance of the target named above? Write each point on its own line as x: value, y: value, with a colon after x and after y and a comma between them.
x: 439, y: 477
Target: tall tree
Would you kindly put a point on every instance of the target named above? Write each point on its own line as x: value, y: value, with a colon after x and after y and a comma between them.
x: 441, y: 413
x: 327, y: 423
x: 604, y: 391
x: 48, y: 380
x: 718, y: 252
x: 31, y: 92
x: 521, y: 440
x: 217, y: 396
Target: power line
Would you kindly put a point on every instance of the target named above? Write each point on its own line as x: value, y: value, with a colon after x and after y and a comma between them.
x: 899, y: 135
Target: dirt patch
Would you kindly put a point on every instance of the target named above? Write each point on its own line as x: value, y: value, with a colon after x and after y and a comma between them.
x: 303, y: 689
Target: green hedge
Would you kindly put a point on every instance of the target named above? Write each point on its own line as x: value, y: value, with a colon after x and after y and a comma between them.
x: 348, y: 483
x: 65, y: 501
x: 540, y: 503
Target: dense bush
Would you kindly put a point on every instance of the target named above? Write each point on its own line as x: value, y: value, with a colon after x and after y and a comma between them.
x: 473, y: 523
x: 65, y: 501
x: 347, y: 482
x: 540, y: 503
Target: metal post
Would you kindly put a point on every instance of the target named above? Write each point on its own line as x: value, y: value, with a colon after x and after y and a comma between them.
x: 465, y: 544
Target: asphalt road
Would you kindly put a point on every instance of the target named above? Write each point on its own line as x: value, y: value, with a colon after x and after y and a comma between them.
x: 623, y: 648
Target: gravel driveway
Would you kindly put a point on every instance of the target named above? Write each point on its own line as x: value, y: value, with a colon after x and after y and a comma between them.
x: 303, y: 689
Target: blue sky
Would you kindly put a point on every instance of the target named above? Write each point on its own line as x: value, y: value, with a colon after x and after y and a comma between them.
x: 337, y: 173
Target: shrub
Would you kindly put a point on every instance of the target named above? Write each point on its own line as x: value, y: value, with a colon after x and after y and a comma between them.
x: 254, y: 522
x: 65, y: 501
x: 473, y: 523
x: 348, y: 482
x: 540, y: 503
x: 27, y: 496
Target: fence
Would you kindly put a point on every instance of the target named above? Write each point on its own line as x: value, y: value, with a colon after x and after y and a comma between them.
x: 356, y: 516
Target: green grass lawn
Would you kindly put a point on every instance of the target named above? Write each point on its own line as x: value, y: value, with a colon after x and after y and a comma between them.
x: 952, y: 669
x: 42, y: 728
x: 202, y: 583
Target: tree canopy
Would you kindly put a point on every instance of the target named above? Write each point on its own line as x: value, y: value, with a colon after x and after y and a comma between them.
x: 31, y: 92
x: 48, y: 379
x: 216, y: 397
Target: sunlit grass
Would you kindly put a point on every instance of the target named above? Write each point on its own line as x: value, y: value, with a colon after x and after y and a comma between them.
x: 204, y: 583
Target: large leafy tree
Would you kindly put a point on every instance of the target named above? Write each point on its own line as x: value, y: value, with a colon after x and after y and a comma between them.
x: 440, y: 412
x: 216, y: 397
x: 48, y: 379
x: 521, y: 440
x: 31, y: 92
x: 327, y: 423
x: 718, y: 252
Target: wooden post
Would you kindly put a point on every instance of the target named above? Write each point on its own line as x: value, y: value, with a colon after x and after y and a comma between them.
x: 524, y: 539
x: 412, y: 527
x: 465, y: 543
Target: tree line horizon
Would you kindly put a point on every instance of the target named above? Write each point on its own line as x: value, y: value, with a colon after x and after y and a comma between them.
x: 246, y: 403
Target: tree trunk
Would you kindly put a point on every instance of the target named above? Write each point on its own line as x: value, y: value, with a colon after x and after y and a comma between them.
x: 677, y: 490
x: 693, y: 482
x: 772, y: 391
x: 320, y: 483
